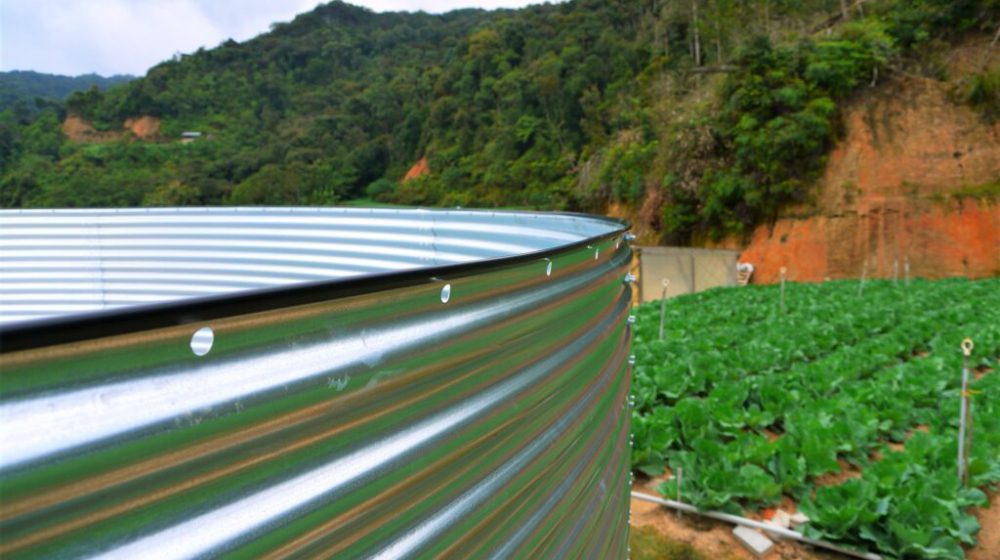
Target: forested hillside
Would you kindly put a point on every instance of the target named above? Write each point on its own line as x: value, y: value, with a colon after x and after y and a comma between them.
x: 709, y: 115
x: 26, y: 87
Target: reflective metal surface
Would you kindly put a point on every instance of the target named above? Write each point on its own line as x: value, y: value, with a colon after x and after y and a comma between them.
x: 72, y: 261
x: 471, y: 404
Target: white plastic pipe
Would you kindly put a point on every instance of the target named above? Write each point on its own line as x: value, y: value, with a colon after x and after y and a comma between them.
x: 663, y: 306
x: 783, y: 271
x: 737, y: 520
x: 864, y: 272
x: 964, y: 414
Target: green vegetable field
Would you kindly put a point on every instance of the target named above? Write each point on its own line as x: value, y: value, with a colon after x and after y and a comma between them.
x: 757, y: 404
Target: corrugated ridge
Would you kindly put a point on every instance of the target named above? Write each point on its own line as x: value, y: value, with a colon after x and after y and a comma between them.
x: 491, y: 425
x: 267, y: 247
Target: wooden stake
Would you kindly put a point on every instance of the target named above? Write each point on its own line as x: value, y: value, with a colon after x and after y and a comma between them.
x: 663, y: 305
x: 864, y: 272
x: 783, y: 271
x: 963, y: 453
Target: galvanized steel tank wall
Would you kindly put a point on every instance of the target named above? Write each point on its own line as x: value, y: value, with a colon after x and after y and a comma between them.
x: 374, y: 383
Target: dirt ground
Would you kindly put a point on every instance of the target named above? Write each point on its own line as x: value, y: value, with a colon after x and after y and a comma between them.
x: 715, y: 540
x: 989, y: 535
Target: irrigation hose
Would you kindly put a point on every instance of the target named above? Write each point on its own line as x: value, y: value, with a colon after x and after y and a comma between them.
x: 773, y: 529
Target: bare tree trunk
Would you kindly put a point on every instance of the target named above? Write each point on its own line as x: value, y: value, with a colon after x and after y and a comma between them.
x: 691, y: 44
x: 767, y: 18
x: 989, y: 50
x: 666, y: 41
x: 718, y: 42
x: 656, y: 28
x: 844, y: 11
x: 697, y: 38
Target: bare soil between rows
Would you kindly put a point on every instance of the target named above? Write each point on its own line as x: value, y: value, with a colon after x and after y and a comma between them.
x: 714, y: 539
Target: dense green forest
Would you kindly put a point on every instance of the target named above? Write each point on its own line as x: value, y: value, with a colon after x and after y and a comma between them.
x: 726, y: 107
x: 30, y: 89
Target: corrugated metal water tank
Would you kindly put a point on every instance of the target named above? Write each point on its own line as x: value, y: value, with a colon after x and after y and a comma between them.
x: 348, y: 383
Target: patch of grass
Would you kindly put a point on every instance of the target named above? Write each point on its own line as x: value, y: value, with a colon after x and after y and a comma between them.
x: 647, y: 544
x: 369, y: 203
x: 990, y: 192
x: 983, y: 93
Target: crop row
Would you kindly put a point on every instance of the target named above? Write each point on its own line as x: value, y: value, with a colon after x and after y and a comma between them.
x: 756, y: 403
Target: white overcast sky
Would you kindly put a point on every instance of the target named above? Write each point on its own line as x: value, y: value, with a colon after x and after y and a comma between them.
x: 108, y: 37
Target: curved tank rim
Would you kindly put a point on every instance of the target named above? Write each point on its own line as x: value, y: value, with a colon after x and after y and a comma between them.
x: 77, y: 327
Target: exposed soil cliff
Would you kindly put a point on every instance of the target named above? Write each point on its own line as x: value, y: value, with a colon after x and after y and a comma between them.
x: 144, y: 128
x: 419, y: 169
x: 893, y: 193
x: 79, y: 130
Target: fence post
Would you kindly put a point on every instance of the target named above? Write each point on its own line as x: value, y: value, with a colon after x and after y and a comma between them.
x: 963, y: 452
x: 663, y: 305
x: 783, y: 271
x: 864, y: 271
x: 693, y: 288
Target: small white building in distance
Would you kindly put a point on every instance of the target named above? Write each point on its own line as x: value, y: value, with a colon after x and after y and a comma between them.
x: 189, y: 136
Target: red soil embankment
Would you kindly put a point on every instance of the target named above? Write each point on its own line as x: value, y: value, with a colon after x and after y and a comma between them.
x: 890, y: 195
x: 938, y: 242
x: 419, y: 169
x: 144, y: 128
x: 78, y: 130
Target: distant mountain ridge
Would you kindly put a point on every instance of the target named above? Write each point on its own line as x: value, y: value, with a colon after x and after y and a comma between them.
x: 699, y: 119
x: 27, y: 85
